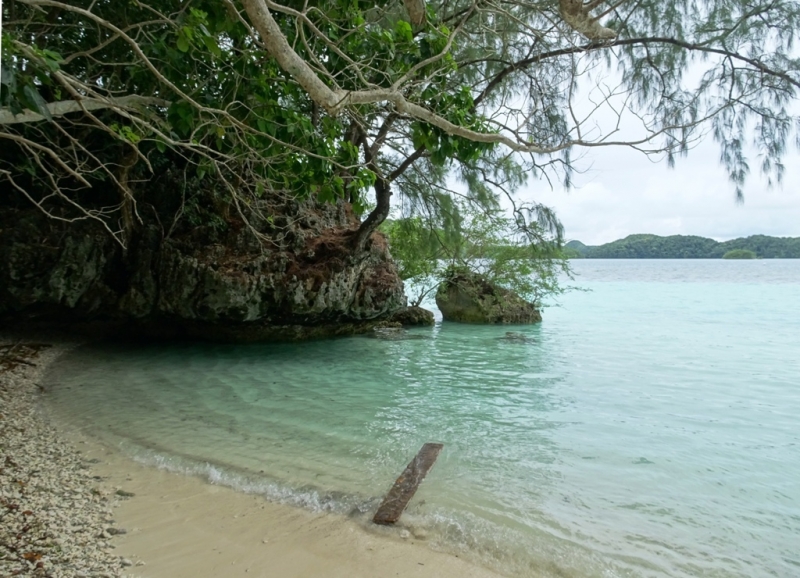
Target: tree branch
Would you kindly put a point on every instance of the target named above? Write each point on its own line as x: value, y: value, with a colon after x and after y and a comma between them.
x: 86, y: 104
x: 524, y: 63
x: 334, y: 101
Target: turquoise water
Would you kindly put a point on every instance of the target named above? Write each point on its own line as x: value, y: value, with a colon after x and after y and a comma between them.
x: 649, y: 427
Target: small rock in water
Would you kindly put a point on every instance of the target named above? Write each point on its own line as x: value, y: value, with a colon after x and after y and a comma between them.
x: 405, y: 534
x: 126, y: 562
x: 125, y: 494
x: 394, y: 334
x: 515, y: 337
x: 116, y: 531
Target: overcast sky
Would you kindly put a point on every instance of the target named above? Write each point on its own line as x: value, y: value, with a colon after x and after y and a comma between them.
x: 622, y: 192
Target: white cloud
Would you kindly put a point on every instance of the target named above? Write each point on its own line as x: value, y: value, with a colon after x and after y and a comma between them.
x: 622, y: 192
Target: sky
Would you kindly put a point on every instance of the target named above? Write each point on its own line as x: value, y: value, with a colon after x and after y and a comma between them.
x: 621, y: 192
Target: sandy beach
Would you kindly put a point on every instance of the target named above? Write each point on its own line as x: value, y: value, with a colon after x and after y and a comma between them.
x: 101, y: 514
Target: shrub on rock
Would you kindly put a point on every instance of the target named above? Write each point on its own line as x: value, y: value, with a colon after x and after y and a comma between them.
x: 469, y: 297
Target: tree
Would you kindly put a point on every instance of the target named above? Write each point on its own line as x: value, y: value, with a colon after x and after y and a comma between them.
x: 486, y: 243
x: 345, y: 99
x: 419, y: 254
x: 739, y: 254
x: 687, y: 247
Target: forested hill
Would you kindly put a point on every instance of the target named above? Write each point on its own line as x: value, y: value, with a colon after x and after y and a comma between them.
x: 687, y: 247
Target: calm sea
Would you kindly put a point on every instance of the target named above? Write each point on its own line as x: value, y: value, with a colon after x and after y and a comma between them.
x: 649, y: 427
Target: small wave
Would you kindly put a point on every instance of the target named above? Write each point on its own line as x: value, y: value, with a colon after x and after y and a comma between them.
x: 312, y: 499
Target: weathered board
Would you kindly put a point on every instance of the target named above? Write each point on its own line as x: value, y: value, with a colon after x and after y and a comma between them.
x: 406, y: 485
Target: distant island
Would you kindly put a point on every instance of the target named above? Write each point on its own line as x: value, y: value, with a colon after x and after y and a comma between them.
x: 688, y: 247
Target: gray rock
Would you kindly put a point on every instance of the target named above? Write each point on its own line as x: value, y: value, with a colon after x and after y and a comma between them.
x: 467, y: 297
x: 413, y: 316
x: 303, y: 281
x: 515, y: 337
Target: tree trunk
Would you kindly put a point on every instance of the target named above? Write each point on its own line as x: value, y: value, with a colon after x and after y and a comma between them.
x: 383, y: 194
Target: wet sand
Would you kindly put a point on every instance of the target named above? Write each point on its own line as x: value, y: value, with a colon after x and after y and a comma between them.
x: 168, y: 525
x: 182, y: 526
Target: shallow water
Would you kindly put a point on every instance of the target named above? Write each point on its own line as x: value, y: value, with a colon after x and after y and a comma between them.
x: 648, y: 427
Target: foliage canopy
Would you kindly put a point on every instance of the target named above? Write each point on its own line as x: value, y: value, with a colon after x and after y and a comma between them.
x: 450, y: 103
x: 485, y: 243
x: 739, y: 254
x: 688, y: 247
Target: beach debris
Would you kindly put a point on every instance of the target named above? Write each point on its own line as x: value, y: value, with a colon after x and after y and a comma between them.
x: 51, y: 520
x: 406, y: 485
x: 14, y: 354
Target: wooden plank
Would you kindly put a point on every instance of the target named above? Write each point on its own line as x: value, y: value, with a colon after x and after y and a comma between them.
x: 406, y: 485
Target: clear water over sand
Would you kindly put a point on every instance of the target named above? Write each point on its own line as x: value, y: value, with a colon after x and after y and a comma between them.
x: 648, y: 427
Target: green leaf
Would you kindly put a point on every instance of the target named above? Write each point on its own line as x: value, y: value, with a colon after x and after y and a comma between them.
x: 183, y: 43
x: 8, y: 77
x: 404, y: 31
x: 37, y: 101
x: 211, y: 44
x: 15, y: 107
x: 51, y: 54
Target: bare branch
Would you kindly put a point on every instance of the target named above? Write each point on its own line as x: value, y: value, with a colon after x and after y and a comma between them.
x: 85, y: 104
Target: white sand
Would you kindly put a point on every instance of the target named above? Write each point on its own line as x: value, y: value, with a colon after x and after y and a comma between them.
x: 182, y: 526
x: 179, y: 526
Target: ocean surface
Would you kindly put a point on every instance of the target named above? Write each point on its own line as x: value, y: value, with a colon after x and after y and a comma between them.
x: 649, y: 427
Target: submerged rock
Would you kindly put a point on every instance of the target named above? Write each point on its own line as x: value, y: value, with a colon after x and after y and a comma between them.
x: 388, y: 332
x: 468, y: 297
x: 515, y: 337
x: 413, y: 316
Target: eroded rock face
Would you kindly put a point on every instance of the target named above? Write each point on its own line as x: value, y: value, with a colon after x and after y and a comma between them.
x: 301, y: 281
x: 470, y: 298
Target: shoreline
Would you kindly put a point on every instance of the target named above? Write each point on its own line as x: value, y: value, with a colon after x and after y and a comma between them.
x: 175, y: 525
x: 54, y: 514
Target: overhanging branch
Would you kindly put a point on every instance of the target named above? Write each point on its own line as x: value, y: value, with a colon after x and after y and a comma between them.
x: 86, y: 104
x: 336, y: 100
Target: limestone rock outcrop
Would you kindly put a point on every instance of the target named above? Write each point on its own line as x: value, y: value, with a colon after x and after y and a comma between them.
x: 300, y: 279
x: 468, y: 297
